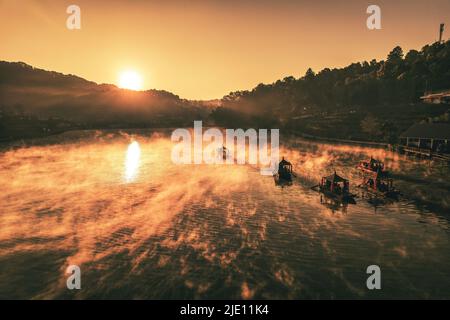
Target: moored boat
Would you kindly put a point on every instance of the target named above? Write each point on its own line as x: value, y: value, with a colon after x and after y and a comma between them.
x: 336, y: 187
x: 379, y: 185
x: 372, y: 166
x: 284, y: 175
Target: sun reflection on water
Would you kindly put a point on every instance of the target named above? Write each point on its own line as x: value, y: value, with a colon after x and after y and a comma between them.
x: 132, y: 161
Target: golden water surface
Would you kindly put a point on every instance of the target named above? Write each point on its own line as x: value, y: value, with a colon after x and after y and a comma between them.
x: 140, y: 226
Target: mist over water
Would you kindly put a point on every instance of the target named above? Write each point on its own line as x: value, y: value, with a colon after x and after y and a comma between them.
x: 140, y: 226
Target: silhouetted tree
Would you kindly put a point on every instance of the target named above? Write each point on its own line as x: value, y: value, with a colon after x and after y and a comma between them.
x: 309, y: 75
x: 396, y: 55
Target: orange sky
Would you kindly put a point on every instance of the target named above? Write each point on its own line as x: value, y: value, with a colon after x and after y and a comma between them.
x: 205, y: 49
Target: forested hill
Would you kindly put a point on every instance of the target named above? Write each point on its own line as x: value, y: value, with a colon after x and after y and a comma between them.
x: 33, y: 91
x: 36, y: 102
x: 362, y: 89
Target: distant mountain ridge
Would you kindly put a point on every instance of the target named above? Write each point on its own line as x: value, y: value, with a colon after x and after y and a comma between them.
x: 24, y: 74
x: 44, y: 94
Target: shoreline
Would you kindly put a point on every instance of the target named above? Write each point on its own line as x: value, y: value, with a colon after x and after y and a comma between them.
x: 361, y: 143
x: 6, y: 143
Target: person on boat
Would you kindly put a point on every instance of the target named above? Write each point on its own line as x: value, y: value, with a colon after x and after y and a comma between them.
x: 373, y: 164
x: 382, y: 186
x: 346, y: 187
x: 224, y: 152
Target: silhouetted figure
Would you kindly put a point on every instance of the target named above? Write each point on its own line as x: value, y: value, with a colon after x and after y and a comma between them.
x: 285, y: 170
x: 224, y: 152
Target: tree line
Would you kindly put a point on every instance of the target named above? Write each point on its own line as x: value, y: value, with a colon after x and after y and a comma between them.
x: 367, y: 88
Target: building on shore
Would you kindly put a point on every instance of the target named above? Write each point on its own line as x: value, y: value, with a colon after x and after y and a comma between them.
x: 442, y: 97
x: 427, y: 139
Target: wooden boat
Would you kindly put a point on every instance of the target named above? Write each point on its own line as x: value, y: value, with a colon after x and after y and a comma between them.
x: 379, y: 185
x: 284, y: 175
x: 337, y: 188
x: 372, y: 166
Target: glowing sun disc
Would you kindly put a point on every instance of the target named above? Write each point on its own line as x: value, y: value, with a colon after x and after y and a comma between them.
x: 130, y: 80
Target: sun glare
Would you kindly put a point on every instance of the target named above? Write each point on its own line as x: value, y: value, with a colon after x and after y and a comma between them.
x: 130, y: 80
x: 132, y: 161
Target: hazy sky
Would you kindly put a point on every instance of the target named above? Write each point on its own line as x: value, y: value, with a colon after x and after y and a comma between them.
x: 205, y: 49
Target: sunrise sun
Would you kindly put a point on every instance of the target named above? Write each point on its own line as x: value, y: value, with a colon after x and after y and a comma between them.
x: 130, y: 80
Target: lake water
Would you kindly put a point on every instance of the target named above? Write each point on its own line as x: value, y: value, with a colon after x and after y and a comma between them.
x: 141, y: 227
